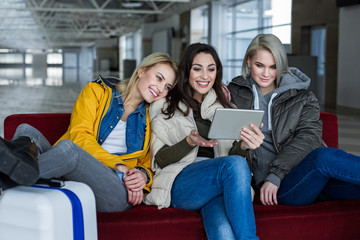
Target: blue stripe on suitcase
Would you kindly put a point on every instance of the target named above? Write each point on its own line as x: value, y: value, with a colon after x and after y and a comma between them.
x: 77, y: 212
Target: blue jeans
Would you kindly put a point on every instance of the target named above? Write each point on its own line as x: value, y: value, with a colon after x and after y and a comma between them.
x: 221, y: 189
x: 68, y: 160
x: 324, y: 174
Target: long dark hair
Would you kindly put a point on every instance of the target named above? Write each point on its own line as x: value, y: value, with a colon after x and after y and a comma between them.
x: 183, y: 92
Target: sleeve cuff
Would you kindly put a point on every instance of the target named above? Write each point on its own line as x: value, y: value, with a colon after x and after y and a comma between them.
x: 236, y: 150
x: 144, y: 171
x: 273, y: 178
x: 183, y: 144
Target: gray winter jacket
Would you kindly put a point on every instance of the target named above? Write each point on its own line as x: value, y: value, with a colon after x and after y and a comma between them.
x: 296, y: 124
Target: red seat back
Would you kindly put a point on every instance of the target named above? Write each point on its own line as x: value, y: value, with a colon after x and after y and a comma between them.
x: 51, y: 125
x: 54, y: 125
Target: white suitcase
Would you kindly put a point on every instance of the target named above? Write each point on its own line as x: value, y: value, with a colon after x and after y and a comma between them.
x: 47, y: 213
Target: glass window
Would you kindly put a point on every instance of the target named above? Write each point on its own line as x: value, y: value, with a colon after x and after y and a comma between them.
x: 247, y: 16
x: 246, y: 19
x: 54, y: 58
x: 199, y: 21
x: 28, y: 58
x: 12, y: 58
x: 129, y: 51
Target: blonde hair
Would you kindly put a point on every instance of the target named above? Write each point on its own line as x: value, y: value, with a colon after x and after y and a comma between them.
x: 272, y: 44
x: 125, y: 86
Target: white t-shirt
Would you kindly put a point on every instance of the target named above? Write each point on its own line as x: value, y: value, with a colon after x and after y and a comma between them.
x: 116, y: 141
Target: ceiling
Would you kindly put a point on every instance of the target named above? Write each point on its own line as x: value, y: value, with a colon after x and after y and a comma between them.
x: 42, y: 24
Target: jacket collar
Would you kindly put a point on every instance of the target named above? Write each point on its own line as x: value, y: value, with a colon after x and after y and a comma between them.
x: 209, y: 105
x: 240, y: 80
x: 140, y: 109
x: 110, y: 82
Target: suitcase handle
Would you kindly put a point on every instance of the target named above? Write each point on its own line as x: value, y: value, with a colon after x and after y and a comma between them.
x: 52, y: 182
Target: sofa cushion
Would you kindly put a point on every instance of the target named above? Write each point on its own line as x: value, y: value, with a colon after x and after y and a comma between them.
x: 148, y: 222
x: 330, y: 220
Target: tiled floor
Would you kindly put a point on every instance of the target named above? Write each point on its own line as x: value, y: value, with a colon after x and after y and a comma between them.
x: 56, y: 95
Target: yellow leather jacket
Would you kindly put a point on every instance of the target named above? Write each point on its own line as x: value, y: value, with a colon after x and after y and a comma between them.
x: 87, y: 114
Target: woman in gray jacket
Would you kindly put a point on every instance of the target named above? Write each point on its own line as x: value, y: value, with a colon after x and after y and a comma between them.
x: 194, y: 172
x: 293, y: 165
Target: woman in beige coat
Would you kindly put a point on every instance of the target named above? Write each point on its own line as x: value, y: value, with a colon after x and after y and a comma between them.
x: 192, y: 171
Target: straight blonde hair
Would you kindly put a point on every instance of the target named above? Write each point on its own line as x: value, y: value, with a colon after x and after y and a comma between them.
x: 272, y: 44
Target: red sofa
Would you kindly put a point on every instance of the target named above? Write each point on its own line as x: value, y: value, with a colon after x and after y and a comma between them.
x: 321, y: 220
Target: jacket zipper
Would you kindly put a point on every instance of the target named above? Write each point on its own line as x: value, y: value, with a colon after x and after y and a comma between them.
x: 272, y: 132
x: 103, y: 113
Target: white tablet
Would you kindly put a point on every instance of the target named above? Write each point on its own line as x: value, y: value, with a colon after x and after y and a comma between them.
x: 227, y: 122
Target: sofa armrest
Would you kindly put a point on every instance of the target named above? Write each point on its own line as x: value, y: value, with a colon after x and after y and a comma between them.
x: 330, y: 129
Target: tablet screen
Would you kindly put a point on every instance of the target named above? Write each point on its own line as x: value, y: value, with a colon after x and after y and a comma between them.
x: 227, y: 122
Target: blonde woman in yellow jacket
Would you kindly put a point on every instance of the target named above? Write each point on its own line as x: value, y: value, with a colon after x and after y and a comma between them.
x: 107, y: 143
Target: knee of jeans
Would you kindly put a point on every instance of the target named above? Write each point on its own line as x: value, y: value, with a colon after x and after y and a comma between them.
x: 322, y: 154
x: 237, y: 165
x: 23, y: 128
x: 69, y: 149
x: 67, y: 145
